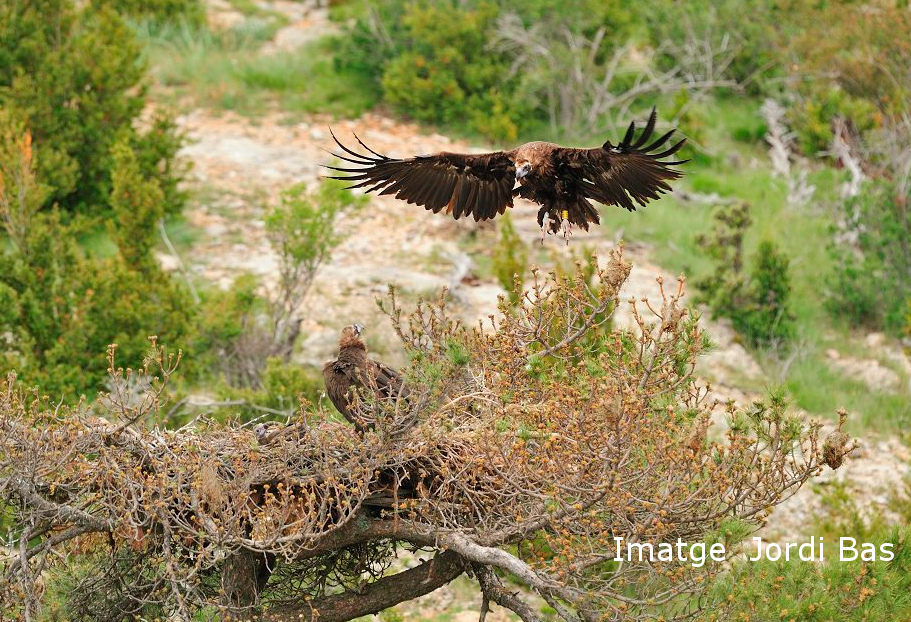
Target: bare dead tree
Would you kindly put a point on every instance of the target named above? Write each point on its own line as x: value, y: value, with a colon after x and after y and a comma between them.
x: 844, y: 151
x: 582, y: 92
x: 780, y: 139
x: 781, y: 154
x: 525, y: 447
x: 890, y: 149
x: 303, y: 234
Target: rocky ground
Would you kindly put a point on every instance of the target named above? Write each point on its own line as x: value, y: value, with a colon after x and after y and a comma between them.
x: 240, y: 167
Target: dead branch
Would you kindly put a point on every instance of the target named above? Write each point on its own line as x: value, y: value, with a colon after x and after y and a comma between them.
x: 582, y: 92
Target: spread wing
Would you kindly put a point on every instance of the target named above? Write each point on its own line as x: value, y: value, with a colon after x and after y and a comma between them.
x: 461, y: 184
x: 621, y: 174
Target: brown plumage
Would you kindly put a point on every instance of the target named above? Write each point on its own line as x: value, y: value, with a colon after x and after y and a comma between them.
x: 353, y: 371
x: 561, y: 180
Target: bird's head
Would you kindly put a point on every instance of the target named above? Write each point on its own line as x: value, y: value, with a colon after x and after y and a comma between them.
x: 523, y: 168
x: 351, y: 335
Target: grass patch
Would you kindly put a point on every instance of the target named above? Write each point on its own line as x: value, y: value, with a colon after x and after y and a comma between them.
x: 251, y: 9
x: 820, y: 389
x: 345, y: 11
x: 226, y: 70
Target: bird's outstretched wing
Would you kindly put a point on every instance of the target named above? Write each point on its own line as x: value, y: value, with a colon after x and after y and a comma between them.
x: 461, y: 184
x: 624, y: 173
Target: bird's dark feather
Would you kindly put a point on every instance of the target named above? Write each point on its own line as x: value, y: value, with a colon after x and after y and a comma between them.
x: 626, y: 174
x: 475, y: 185
x: 563, y: 180
x: 353, y: 371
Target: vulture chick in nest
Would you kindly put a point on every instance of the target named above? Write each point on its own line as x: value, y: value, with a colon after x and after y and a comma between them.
x: 353, y: 371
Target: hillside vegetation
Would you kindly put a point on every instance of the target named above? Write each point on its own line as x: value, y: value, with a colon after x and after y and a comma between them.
x: 121, y: 231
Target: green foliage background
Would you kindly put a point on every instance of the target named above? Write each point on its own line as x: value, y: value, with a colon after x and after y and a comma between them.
x: 74, y: 78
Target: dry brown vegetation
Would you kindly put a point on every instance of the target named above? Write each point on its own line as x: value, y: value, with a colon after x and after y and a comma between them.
x: 525, y: 447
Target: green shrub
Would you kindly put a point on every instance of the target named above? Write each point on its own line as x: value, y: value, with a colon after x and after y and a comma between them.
x: 232, y: 338
x: 861, y: 48
x: 757, y: 41
x: 871, y: 282
x: 447, y: 73
x: 72, y: 77
x: 768, y: 319
x: 302, y: 226
x: 448, y: 63
x: 811, y: 116
x: 241, y: 329
x: 362, y: 51
x: 908, y: 319
x: 62, y: 309
x: 757, y: 302
x: 436, y: 63
x: 835, y: 591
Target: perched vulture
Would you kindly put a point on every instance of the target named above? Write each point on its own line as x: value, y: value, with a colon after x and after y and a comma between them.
x: 353, y: 371
x: 562, y: 180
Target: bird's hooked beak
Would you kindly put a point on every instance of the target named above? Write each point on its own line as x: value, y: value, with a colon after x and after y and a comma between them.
x: 522, y: 170
x: 358, y: 329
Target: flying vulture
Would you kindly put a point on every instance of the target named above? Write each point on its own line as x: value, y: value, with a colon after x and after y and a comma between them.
x: 353, y: 371
x: 562, y: 180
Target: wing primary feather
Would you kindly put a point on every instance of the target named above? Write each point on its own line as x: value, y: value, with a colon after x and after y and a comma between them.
x: 344, y: 148
x: 380, y: 184
x: 436, y: 198
x: 498, y: 198
x: 480, y: 207
x: 353, y: 186
x: 440, y: 197
x: 348, y: 170
x: 379, y: 155
x: 646, y: 131
x: 649, y: 128
x: 363, y: 157
x: 446, y: 188
x: 400, y: 181
x: 361, y: 162
x: 670, y: 151
x: 423, y: 192
x: 428, y: 186
x: 663, y: 139
x: 365, y: 175
x: 629, y: 135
